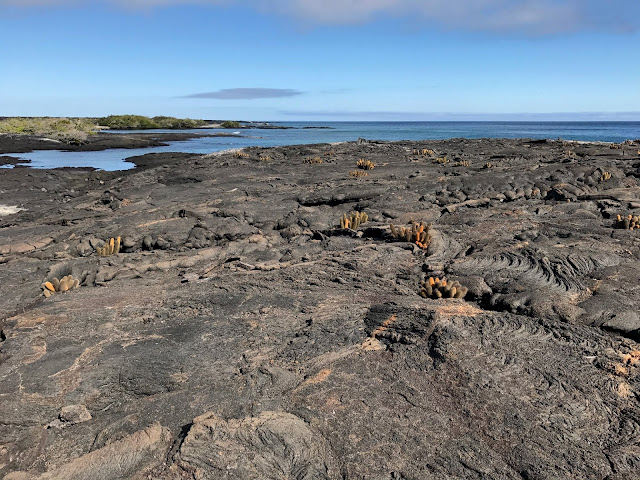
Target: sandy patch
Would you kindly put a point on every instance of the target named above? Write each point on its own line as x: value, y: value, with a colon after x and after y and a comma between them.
x: 9, y: 210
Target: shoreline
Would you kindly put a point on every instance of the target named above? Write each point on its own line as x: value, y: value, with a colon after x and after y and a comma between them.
x: 26, y: 143
x: 22, y: 143
x: 238, y: 306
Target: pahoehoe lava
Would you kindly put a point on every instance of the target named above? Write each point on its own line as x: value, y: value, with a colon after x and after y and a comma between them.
x: 241, y: 333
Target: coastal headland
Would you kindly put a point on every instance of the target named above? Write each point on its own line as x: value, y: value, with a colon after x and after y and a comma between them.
x: 234, y: 329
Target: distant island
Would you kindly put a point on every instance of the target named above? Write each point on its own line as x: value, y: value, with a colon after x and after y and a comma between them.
x: 74, y: 130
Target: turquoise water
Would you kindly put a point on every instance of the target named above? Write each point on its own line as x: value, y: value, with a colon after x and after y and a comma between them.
x: 340, y: 132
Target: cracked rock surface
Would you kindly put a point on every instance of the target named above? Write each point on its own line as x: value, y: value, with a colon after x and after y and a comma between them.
x: 242, y: 334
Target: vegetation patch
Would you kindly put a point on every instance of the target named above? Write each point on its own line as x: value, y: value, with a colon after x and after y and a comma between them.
x: 630, y: 222
x: 424, y: 152
x: 69, y: 130
x: 353, y: 220
x: 365, y: 164
x: 60, y: 286
x: 230, y: 124
x: 437, y: 288
x: 418, y: 233
x: 140, y: 122
x: 111, y: 247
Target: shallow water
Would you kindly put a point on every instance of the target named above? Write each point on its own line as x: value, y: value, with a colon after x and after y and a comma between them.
x: 339, y: 132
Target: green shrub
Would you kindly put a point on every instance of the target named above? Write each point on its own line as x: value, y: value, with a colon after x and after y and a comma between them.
x: 127, y: 122
x: 140, y: 122
x: 178, y: 123
x: 70, y: 130
x: 230, y: 124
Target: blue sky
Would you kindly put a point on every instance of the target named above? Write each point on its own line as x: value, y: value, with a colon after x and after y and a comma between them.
x: 322, y: 60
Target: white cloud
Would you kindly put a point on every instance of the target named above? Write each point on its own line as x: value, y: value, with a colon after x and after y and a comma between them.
x: 526, y: 16
x: 247, y: 93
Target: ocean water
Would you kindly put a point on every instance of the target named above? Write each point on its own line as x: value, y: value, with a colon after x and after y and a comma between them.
x: 340, y: 132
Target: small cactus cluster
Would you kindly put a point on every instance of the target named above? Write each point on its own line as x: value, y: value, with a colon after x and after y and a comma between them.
x: 629, y: 222
x: 264, y: 158
x: 419, y: 233
x: 489, y: 165
x: 437, y: 288
x: 358, y: 173
x: 615, y: 146
x: 425, y: 152
x: 313, y: 160
x: 60, y: 286
x: 365, y: 164
x: 605, y: 176
x: 441, y: 160
x: 462, y: 163
x: 111, y: 247
x: 240, y: 154
x: 354, y: 220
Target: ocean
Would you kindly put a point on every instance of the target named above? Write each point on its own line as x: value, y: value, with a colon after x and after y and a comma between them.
x: 340, y: 132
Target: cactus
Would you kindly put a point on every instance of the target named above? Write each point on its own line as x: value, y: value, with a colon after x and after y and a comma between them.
x: 489, y: 165
x: 425, y: 152
x: 358, y: 173
x: 111, y: 247
x: 437, y: 288
x: 630, y: 222
x: 462, y: 163
x: 264, y: 158
x: 240, y: 154
x: 60, y: 286
x: 605, y: 176
x: 441, y: 160
x: 354, y: 220
x: 419, y: 233
x: 365, y: 164
x: 313, y: 160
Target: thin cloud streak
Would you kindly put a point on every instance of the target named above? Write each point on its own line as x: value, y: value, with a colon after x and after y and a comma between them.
x: 247, y: 93
x: 538, y: 17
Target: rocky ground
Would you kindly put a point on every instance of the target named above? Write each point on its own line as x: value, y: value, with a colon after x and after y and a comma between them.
x: 242, y: 334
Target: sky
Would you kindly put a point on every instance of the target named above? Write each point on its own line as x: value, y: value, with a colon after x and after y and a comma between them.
x: 322, y: 60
